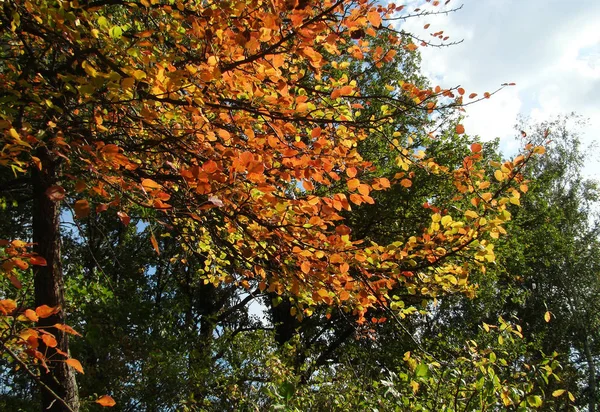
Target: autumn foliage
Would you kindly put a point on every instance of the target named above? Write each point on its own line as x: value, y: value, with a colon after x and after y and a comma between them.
x: 233, y: 125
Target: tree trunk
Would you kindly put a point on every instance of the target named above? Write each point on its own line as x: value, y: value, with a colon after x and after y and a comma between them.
x: 49, y: 286
x: 591, y: 374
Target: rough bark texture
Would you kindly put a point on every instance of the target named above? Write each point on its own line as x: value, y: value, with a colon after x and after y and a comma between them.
x: 49, y: 287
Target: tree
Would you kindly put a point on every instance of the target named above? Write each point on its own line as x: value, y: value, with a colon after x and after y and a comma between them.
x: 221, y: 124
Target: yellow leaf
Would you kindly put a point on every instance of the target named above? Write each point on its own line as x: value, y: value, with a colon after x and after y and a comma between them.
x: 139, y: 75
x: 499, y: 175
x: 558, y: 392
x: 471, y: 214
x: 106, y: 401
x: 75, y: 364
x: 547, y: 316
x: 323, y: 293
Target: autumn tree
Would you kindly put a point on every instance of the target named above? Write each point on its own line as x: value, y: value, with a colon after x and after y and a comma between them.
x: 222, y: 123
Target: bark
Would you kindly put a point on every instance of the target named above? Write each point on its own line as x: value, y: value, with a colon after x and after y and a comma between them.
x: 591, y: 374
x: 49, y: 286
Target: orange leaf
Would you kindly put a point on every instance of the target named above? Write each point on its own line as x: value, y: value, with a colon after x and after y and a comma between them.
x: 31, y: 315
x: 353, y: 184
x: 426, y: 26
x: 210, y: 166
x: 406, y: 182
x: 472, y: 95
x: 374, y: 18
x: 37, y: 261
x: 154, y: 244
x: 461, y: 91
x: 411, y: 47
x: 351, y: 171
x: 82, y: 208
x: 106, y: 401
x: 476, y: 148
x: 45, y: 311
x: 384, y: 182
x: 21, y: 264
x: 364, y: 189
x: 67, y: 329
x: 49, y: 341
x: 316, y: 132
x: 149, y: 184
x: 75, y: 364
x: 305, y: 267
x: 460, y: 129
x: 7, y: 306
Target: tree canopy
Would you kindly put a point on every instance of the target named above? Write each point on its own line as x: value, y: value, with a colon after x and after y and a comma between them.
x: 206, y: 153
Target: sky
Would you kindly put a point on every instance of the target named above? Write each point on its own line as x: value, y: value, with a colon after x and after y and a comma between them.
x: 549, y: 48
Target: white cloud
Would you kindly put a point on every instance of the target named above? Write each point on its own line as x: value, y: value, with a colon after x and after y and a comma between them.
x: 550, y: 48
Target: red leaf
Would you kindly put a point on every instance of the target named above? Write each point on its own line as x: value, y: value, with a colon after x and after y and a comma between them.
x: 55, y: 193
x: 125, y: 219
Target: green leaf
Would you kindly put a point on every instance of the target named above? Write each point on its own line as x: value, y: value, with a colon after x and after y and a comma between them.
x: 534, y: 401
x: 116, y: 32
x: 102, y: 22
x: 422, y: 370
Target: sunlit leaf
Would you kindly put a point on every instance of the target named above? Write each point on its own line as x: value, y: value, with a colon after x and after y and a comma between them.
x: 75, y: 364
x: 106, y: 401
